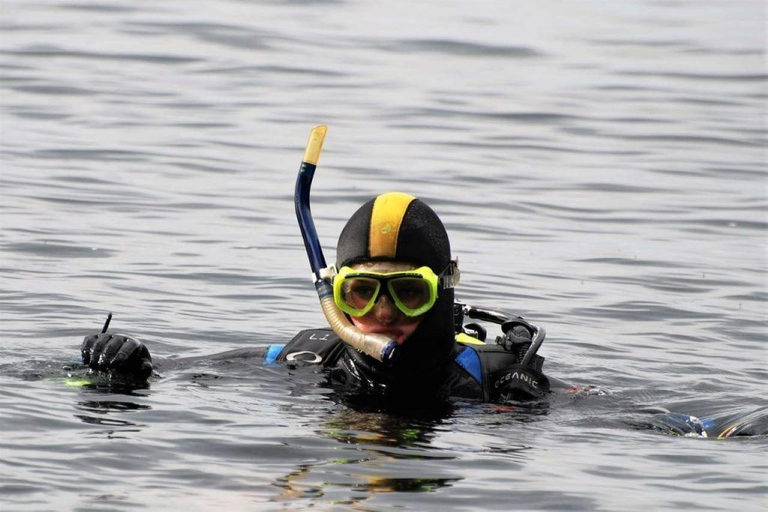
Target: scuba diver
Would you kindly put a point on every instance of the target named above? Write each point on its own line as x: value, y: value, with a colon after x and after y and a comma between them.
x: 397, y: 334
x: 395, y: 278
x: 396, y: 331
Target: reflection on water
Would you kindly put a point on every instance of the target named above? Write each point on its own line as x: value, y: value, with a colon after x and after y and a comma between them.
x: 100, y: 411
x: 387, y: 429
x: 385, y: 442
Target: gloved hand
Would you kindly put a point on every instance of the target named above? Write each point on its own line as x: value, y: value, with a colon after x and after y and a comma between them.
x: 117, y: 354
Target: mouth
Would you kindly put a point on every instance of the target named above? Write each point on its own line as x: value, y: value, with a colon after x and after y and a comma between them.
x: 395, y: 334
x: 393, y: 331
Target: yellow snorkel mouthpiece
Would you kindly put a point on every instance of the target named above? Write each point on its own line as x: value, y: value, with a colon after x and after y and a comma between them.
x: 315, y: 144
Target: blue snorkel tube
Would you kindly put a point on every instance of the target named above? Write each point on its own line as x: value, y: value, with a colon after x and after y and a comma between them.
x: 301, y: 200
x: 378, y: 346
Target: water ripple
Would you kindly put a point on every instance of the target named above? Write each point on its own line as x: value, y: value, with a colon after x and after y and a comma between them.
x: 43, y: 52
x: 460, y: 48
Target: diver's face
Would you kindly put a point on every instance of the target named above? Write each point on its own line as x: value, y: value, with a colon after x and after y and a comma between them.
x: 385, y: 317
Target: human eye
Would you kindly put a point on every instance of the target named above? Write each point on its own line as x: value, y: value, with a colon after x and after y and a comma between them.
x: 411, y: 292
x: 362, y: 288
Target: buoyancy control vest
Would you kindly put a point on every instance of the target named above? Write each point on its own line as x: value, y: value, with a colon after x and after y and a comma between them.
x: 476, y: 370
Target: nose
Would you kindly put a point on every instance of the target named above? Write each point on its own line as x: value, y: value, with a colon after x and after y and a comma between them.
x: 385, y: 310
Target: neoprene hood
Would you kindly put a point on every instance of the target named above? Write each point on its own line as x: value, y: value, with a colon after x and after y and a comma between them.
x: 395, y: 226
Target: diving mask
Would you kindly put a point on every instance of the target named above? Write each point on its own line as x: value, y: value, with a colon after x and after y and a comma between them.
x: 414, y: 292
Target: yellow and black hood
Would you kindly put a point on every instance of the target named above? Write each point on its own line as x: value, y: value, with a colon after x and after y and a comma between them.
x: 395, y: 226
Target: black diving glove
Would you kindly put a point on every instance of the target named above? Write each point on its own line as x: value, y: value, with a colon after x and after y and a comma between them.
x: 118, y: 355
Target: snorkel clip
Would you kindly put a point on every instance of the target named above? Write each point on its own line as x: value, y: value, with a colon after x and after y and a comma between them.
x: 327, y: 274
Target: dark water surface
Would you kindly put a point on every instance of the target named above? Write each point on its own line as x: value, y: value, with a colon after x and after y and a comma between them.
x: 600, y: 166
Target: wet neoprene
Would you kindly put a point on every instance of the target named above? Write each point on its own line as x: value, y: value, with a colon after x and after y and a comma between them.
x: 116, y: 353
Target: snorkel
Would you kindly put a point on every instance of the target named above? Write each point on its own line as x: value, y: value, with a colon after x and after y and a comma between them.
x: 378, y: 346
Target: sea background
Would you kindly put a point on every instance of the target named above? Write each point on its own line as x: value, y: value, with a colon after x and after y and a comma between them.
x: 600, y: 167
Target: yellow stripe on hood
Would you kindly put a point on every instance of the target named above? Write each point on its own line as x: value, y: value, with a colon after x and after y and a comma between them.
x: 386, y: 219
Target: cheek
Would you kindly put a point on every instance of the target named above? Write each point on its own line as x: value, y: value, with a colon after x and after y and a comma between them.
x: 359, y: 323
x: 407, y: 329
x: 365, y: 323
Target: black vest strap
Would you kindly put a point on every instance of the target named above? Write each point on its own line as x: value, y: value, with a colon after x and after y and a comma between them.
x: 318, y: 346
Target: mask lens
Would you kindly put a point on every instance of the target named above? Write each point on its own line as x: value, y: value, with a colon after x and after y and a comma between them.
x: 357, y: 292
x: 412, y: 292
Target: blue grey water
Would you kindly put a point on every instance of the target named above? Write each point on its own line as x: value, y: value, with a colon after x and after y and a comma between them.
x: 601, y: 169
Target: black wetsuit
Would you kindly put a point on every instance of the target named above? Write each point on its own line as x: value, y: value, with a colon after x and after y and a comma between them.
x: 477, y: 371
